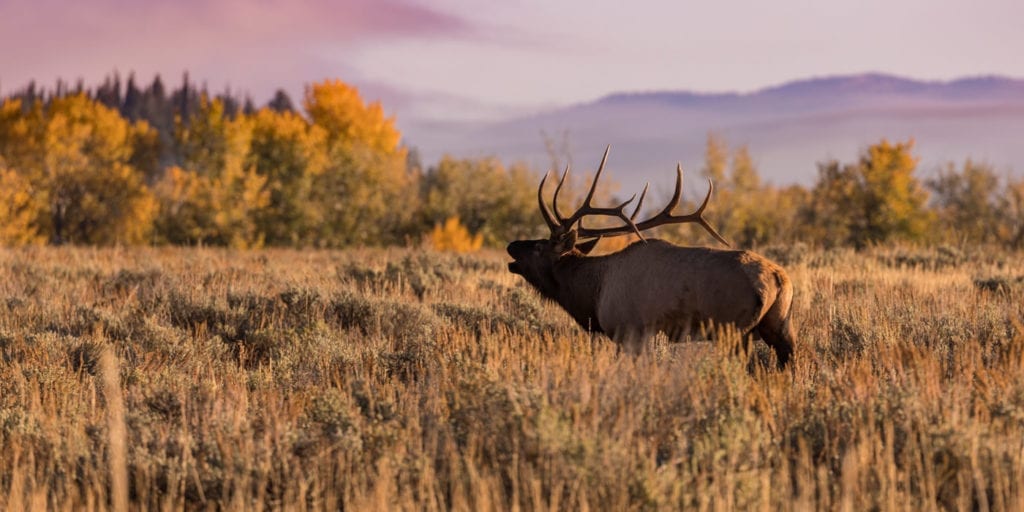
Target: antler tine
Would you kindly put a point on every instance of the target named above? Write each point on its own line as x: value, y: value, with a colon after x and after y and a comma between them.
x: 545, y: 212
x: 699, y: 213
x: 641, y: 202
x: 597, y: 176
x: 704, y: 203
x: 558, y: 189
x: 586, y: 208
x: 677, y: 195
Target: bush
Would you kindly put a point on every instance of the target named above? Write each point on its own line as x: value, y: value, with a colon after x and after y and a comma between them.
x: 454, y: 237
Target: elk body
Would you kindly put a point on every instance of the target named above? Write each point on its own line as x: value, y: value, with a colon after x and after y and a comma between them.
x: 652, y: 285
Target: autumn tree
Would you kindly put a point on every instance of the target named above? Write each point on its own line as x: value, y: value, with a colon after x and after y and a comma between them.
x: 489, y: 199
x: 19, y: 210
x: 967, y: 202
x: 716, y: 158
x: 876, y: 199
x: 22, y: 126
x: 364, y: 194
x: 77, y: 156
x: 219, y: 210
x: 185, y: 216
x: 290, y: 154
x: 786, y: 204
x: 744, y: 202
x: 452, y: 236
x: 216, y: 197
x: 747, y: 211
x: 1011, y: 221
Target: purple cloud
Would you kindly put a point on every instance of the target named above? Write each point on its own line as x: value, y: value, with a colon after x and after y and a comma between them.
x: 254, y: 45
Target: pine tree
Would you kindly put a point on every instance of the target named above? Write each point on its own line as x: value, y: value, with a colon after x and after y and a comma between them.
x: 281, y: 102
x: 132, y: 107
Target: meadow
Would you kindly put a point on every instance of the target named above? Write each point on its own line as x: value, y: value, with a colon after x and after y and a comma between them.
x: 398, y: 379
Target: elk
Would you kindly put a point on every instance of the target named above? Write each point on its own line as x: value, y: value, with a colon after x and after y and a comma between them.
x: 653, y: 285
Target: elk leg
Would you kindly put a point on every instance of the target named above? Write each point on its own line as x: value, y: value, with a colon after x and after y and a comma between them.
x: 631, y: 340
x: 778, y: 334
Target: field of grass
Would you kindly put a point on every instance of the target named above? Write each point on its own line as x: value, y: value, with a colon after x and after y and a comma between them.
x: 396, y: 379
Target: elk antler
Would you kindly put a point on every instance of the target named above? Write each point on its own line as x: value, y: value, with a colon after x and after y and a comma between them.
x: 663, y: 217
x: 560, y: 225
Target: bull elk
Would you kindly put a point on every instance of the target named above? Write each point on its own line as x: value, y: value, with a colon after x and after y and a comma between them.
x: 653, y: 285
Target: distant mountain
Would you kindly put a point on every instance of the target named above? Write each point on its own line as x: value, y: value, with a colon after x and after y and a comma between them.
x: 788, y: 128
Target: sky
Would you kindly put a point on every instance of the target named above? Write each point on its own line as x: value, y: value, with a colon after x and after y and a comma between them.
x: 483, y: 59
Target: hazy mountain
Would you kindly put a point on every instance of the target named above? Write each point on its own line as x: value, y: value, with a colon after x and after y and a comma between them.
x: 788, y: 128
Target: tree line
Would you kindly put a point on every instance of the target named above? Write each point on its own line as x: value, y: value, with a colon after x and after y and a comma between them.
x: 128, y: 165
x: 142, y: 166
x: 881, y: 197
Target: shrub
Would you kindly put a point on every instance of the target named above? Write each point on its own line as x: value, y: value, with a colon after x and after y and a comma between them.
x: 454, y: 237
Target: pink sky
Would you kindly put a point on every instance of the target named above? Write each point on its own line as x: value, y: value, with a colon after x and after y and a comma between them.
x: 484, y: 58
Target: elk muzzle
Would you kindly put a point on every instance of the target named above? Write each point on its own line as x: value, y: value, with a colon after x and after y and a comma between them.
x: 518, y: 250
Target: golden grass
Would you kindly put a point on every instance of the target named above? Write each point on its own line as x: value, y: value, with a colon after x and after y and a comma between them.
x: 391, y: 380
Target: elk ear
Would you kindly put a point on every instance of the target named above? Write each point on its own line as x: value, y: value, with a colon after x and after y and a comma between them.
x: 587, y: 246
x: 566, y: 242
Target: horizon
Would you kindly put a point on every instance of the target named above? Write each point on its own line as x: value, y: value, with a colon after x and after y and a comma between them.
x: 965, y: 123
x: 241, y: 92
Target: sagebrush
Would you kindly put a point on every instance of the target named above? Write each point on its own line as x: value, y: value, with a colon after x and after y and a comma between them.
x: 396, y: 379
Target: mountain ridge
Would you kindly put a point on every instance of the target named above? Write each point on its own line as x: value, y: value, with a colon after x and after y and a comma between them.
x: 859, y: 83
x: 788, y: 128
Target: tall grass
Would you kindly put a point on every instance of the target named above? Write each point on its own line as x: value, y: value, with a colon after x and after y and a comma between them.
x: 391, y: 379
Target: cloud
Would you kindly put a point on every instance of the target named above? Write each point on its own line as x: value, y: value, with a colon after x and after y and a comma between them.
x: 253, y: 44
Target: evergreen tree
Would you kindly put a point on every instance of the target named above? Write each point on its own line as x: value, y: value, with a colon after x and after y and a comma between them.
x: 132, y: 107
x: 281, y: 102
x: 249, y: 108
x: 109, y: 94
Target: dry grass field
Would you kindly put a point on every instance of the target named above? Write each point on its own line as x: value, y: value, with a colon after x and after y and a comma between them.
x: 402, y: 380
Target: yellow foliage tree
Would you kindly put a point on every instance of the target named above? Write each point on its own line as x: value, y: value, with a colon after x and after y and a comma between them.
x: 290, y: 153
x: 18, y: 210
x: 21, y: 135
x: 339, y: 109
x: 739, y: 201
x: 452, y: 236
x: 218, y: 197
x: 876, y: 199
x: 211, y: 210
x: 80, y: 166
x: 365, y: 194
x: 185, y: 215
x: 1011, y: 225
x: 210, y: 140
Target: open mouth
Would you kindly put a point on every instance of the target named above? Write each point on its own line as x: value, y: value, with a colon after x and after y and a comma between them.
x: 513, y: 267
